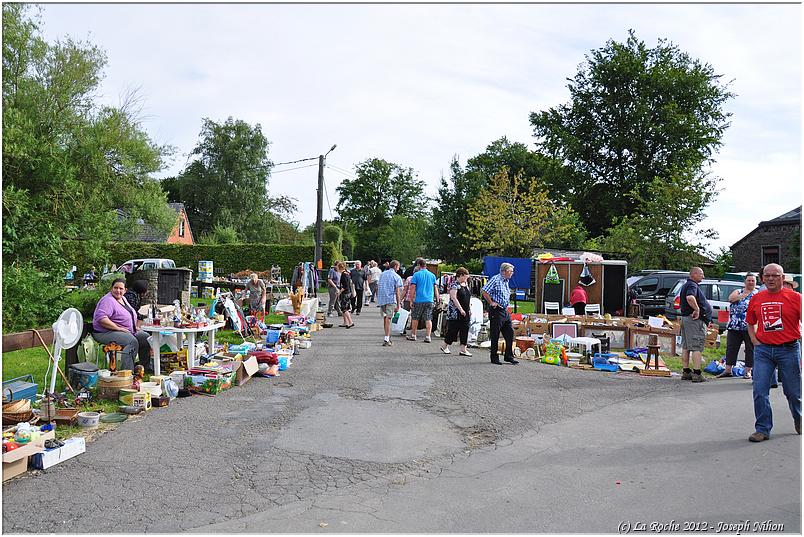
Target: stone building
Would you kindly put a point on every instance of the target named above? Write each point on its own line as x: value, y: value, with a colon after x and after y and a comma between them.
x: 772, y: 241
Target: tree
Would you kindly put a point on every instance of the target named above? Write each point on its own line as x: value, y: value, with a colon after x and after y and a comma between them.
x: 446, y: 235
x: 379, y: 191
x: 635, y: 113
x: 227, y: 180
x: 69, y: 165
x: 509, y: 220
x: 402, y: 238
x: 665, y: 235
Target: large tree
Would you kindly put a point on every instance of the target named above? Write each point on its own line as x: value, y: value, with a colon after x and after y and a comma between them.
x: 511, y: 219
x: 226, y: 184
x: 446, y: 235
x: 69, y: 164
x: 635, y: 113
x: 379, y: 191
x: 664, y: 236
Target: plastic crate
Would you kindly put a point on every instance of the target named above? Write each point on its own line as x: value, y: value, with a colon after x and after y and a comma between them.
x: 20, y: 388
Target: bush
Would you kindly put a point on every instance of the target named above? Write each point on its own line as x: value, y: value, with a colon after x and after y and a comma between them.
x: 227, y: 258
x: 85, y: 301
x: 31, y: 299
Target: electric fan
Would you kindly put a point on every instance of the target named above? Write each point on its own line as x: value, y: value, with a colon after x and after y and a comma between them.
x: 66, y: 333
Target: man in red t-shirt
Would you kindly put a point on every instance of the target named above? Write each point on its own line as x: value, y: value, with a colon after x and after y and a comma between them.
x: 776, y: 312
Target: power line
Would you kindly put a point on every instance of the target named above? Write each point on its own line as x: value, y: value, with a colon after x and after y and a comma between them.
x: 291, y: 169
x: 347, y: 174
x: 295, y: 161
x: 342, y: 170
x: 326, y: 194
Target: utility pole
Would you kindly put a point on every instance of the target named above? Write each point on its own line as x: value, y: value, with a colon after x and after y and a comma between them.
x: 319, y: 232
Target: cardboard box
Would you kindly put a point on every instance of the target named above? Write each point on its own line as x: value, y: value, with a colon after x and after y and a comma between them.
x: 51, y: 457
x: 538, y: 328
x: 209, y: 385
x: 15, y: 462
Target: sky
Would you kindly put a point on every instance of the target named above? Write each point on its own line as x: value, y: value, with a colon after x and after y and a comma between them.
x: 418, y: 84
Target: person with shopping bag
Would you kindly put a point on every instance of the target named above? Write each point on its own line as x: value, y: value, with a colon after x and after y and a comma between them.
x: 389, y: 298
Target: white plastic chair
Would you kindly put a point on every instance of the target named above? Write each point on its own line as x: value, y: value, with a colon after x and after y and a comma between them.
x: 554, y: 306
x: 590, y: 309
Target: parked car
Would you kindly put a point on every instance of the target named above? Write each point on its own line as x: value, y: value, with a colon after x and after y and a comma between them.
x: 716, y: 292
x: 133, y: 265
x: 650, y: 290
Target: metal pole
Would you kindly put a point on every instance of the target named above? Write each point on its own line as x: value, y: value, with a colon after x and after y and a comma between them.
x: 319, y: 211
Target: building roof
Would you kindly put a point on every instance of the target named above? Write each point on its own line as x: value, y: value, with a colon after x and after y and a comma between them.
x: 790, y: 217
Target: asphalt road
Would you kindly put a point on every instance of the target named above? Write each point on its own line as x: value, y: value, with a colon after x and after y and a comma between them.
x: 355, y: 437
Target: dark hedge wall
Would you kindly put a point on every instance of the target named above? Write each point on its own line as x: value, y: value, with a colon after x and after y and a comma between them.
x: 226, y: 258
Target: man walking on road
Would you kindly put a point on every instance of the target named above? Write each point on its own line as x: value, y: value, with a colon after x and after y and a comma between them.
x: 389, y: 298
x: 696, y: 314
x: 359, y: 279
x: 423, y: 287
x: 333, y: 283
x: 498, y: 294
x: 776, y: 312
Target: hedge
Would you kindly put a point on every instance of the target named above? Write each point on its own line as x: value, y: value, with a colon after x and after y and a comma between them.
x: 226, y: 258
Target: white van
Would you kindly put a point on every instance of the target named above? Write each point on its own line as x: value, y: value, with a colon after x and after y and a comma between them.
x: 133, y: 265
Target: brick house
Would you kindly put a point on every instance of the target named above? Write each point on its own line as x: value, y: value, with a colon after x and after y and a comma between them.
x: 180, y: 234
x: 772, y: 241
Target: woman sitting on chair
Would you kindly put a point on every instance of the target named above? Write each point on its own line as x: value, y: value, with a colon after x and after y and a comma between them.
x: 115, y: 320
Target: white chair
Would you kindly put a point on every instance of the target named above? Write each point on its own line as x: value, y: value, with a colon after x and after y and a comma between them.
x: 591, y: 309
x: 554, y: 306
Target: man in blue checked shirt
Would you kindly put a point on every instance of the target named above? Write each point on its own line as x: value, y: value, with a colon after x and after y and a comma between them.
x: 497, y: 295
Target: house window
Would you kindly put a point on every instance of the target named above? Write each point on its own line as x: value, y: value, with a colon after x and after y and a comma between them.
x: 770, y: 254
x: 181, y: 227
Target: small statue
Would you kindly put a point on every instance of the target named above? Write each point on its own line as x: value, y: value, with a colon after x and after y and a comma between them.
x: 139, y: 374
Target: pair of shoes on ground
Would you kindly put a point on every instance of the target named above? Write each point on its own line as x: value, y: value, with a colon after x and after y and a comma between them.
x: 512, y: 361
x: 446, y: 350
x: 427, y: 339
x: 387, y: 343
x: 52, y: 443
x: 694, y: 377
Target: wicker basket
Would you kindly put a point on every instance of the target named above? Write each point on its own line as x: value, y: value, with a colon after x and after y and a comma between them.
x: 14, y: 418
x: 23, y: 405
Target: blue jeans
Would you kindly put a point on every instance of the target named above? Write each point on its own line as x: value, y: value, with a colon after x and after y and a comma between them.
x: 787, y: 360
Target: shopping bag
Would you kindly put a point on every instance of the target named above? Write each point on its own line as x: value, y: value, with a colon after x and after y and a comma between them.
x: 714, y: 367
x: 398, y: 321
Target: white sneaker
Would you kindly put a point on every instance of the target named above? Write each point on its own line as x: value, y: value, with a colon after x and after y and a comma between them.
x: 445, y: 350
x: 427, y: 339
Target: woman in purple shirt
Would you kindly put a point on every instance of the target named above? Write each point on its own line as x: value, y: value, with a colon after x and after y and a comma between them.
x: 115, y: 321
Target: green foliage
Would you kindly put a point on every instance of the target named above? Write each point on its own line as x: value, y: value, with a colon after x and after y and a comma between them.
x: 511, y: 220
x: 69, y: 164
x: 446, y: 236
x: 635, y: 113
x: 792, y: 265
x: 219, y: 235
x: 333, y: 234
x: 664, y: 235
x: 226, y: 186
x: 379, y: 191
x: 402, y: 238
x: 86, y: 300
x: 30, y: 297
x: 228, y: 258
x: 723, y: 263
